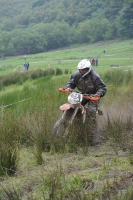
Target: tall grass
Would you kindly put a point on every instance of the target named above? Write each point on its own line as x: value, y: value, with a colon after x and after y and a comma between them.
x: 37, y: 115
x: 119, y: 133
x: 29, y: 124
x: 20, y: 78
x: 9, y: 144
x: 118, y: 77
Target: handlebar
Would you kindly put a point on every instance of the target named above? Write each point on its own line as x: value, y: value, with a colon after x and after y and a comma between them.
x: 86, y: 96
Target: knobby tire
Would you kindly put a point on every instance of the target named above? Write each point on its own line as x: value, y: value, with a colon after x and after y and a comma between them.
x: 60, y: 128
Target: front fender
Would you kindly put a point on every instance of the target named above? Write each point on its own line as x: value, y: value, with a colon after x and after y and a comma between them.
x: 66, y: 106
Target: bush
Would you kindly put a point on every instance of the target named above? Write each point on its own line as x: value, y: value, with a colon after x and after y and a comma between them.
x: 49, y: 71
x: 58, y: 71
x: 66, y: 71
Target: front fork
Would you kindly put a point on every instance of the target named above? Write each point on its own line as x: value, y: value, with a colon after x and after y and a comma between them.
x: 74, y: 114
x: 72, y: 117
x: 70, y: 121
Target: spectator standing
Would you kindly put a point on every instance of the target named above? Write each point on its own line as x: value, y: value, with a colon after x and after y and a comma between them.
x: 96, y: 61
x: 25, y: 66
x: 93, y: 62
x: 28, y: 66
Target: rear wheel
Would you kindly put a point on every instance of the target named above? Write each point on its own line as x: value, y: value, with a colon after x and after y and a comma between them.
x: 60, y: 128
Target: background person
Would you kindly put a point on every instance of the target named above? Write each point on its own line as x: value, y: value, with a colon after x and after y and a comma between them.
x: 25, y: 66
x: 96, y: 61
x: 93, y: 62
x: 28, y: 65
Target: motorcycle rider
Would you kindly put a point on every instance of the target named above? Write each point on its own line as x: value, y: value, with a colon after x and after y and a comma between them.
x: 88, y: 81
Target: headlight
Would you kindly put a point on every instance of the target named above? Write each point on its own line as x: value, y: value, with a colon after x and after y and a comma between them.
x: 75, y: 98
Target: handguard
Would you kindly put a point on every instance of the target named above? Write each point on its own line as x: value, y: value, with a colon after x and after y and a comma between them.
x: 64, y: 90
x: 92, y: 98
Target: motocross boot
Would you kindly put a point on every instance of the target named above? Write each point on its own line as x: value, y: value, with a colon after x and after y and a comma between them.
x: 92, y: 111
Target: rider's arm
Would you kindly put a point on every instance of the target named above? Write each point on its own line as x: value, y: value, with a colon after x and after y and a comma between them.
x: 100, y: 87
x: 99, y: 84
x: 71, y: 83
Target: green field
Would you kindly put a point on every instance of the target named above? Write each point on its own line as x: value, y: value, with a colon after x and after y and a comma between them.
x: 116, y: 53
x: 30, y: 170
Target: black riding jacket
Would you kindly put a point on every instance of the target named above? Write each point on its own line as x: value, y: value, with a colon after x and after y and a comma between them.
x: 90, y: 83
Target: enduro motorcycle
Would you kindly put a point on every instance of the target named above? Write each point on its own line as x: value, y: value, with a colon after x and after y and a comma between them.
x: 71, y: 110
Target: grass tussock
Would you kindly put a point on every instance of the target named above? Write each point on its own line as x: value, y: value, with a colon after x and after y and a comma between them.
x: 9, y: 144
x: 118, y: 76
x: 36, y: 132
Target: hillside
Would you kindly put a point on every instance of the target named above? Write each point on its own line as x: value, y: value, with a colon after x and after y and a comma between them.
x: 57, y: 10
x: 34, y: 26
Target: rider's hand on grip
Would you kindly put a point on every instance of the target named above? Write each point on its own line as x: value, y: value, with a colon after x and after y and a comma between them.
x: 70, y: 90
x: 64, y: 87
x: 95, y: 95
x: 92, y: 97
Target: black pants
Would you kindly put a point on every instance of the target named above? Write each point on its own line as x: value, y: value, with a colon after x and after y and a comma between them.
x: 91, y: 121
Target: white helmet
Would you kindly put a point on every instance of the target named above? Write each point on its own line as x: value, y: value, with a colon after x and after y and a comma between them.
x: 84, y: 64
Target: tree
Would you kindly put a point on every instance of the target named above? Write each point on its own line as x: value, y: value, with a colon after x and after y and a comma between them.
x: 112, y: 9
x: 83, y: 31
x: 8, y: 25
x: 36, y: 42
x: 23, y: 18
x: 9, y: 50
x: 38, y: 3
x: 2, y: 47
x: 126, y: 21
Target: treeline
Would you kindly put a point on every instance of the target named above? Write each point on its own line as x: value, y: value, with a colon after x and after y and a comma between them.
x: 41, y: 25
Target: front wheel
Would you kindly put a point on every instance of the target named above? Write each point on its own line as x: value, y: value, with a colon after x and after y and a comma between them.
x: 60, y: 128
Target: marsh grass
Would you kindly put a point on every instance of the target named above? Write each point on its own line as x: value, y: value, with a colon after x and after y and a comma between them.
x: 118, y: 126
x: 30, y: 123
x: 11, y: 194
x: 118, y: 76
x: 118, y: 132
x: 9, y: 145
x: 36, y: 132
x: 20, y: 78
x: 38, y: 115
